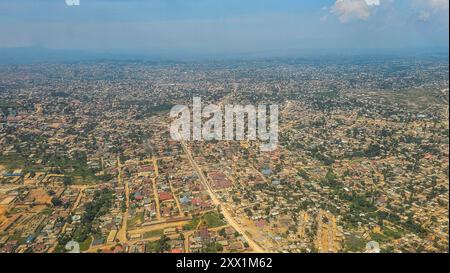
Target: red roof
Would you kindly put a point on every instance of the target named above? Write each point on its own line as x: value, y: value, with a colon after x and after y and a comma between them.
x: 163, y: 196
x: 146, y: 169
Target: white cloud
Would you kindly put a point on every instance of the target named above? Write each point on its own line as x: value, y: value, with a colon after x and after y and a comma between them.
x: 438, y: 5
x: 424, y: 16
x: 354, y: 9
x: 430, y: 9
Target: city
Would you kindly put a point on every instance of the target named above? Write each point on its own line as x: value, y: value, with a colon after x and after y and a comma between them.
x: 87, y: 163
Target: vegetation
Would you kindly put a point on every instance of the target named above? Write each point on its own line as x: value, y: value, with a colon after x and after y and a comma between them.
x: 212, y: 247
x: 210, y: 219
x: 159, y: 246
x: 354, y: 244
x: 136, y: 220
x: 303, y: 174
x: 86, y: 244
x: 99, y: 206
x: 153, y: 233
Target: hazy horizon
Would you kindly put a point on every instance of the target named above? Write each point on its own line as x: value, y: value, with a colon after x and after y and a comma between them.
x: 38, y: 54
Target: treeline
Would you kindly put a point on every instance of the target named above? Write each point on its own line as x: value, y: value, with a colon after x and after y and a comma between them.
x: 100, y: 205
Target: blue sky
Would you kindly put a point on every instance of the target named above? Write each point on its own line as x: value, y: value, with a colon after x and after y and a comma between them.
x: 224, y: 25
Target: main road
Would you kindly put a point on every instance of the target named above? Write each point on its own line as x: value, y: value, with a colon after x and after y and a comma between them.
x: 122, y: 233
x: 216, y: 201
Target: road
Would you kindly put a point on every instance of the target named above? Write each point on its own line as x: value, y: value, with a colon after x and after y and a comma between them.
x: 122, y: 233
x: 155, y: 189
x: 156, y: 226
x: 217, y: 202
x: 177, y: 202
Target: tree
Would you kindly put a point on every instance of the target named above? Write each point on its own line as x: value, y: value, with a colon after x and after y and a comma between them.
x: 163, y: 244
x: 219, y: 247
x: 330, y: 176
x: 67, y: 180
x: 56, y: 202
x: 222, y: 232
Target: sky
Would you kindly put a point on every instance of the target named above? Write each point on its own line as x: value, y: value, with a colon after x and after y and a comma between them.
x: 234, y: 26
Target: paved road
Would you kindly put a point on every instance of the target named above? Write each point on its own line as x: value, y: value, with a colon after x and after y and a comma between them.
x: 217, y: 202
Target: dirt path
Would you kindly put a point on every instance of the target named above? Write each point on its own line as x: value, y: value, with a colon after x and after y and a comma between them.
x: 177, y: 202
x: 326, y: 240
x: 122, y: 233
x: 155, y: 189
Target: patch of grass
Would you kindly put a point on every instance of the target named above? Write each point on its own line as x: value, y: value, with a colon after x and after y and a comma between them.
x: 47, y: 211
x: 387, y: 235
x: 136, y: 220
x: 153, y: 233
x: 392, y: 233
x: 79, y: 180
x: 14, y: 161
x: 86, y: 244
x: 413, y: 99
x: 355, y: 244
x: 214, y: 219
x: 378, y: 237
x: 192, y: 224
x: 152, y: 247
x: 211, y: 219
